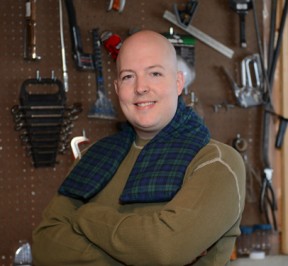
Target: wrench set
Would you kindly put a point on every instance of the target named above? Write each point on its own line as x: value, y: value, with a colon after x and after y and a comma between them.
x: 44, y: 120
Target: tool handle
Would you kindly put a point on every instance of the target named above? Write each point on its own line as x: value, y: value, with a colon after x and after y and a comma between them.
x: 71, y: 13
x: 63, y: 56
x: 281, y: 132
x: 74, y: 29
x: 30, y: 30
x: 82, y: 60
x: 243, y: 42
x: 98, y: 60
x: 278, y: 44
x: 45, y: 98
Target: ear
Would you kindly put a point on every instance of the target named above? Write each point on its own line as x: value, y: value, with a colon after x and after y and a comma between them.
x: 180, y: 82
x: 116, y: 86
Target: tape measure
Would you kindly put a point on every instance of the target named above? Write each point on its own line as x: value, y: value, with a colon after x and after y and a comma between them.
x: 200, y: 35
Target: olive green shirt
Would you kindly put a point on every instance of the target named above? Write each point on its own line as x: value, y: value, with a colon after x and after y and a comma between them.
x: 203, y: 216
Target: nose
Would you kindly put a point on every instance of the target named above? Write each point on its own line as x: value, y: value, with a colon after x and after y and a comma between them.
x: 141, y: 86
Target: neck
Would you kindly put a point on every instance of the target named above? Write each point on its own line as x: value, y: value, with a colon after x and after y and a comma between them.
x: 146, y: 133
x: 139, y: 142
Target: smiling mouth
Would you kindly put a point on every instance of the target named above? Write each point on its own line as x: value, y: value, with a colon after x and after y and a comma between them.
x: 144, y: 104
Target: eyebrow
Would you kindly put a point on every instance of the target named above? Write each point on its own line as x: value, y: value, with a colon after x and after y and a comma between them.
x: 125, y: 70
x: 155, y: 66
x: 147, y: 68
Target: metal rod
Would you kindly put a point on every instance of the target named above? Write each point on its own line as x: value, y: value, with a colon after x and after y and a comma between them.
x: 64, y: 66
x: 272, y: 32
x: 278, y: 45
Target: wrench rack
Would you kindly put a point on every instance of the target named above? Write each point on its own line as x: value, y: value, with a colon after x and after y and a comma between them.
x: 44, y: 120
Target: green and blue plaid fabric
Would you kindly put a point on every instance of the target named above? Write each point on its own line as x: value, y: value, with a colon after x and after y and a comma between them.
x: 160, y: 167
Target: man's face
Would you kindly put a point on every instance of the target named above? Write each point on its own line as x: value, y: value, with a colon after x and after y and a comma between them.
x: 148, y: 86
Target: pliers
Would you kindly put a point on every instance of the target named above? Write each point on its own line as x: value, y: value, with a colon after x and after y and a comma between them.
x: 267, y: 197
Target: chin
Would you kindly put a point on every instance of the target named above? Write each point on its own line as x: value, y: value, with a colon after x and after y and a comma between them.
x: 149, y: 128
x: 146, y: 124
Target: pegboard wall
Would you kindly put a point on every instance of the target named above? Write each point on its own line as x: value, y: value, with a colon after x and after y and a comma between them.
x: 26, y: 190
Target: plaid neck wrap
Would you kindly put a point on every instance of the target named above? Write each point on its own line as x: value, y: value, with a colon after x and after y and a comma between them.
x: 160, y: 167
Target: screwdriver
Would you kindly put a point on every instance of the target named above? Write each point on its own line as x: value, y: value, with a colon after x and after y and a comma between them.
x: 241, y: 7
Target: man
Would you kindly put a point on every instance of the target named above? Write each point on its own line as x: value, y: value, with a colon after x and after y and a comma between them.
x: 159, y: 192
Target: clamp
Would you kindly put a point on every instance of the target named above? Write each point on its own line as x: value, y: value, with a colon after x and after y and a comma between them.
x: 184, y: 15
x: 75, y: 143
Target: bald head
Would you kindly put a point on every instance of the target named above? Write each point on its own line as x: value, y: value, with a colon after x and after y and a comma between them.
x: 148, y: 82
x: 147, y: 42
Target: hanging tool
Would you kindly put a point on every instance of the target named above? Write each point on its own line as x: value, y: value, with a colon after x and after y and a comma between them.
x: 276, y: 51
x: 112, y: 43
x: 30, y: 31
x: 74, y: 109
x: 200, y: 35
x: 43, y: 137
x: 196, y: 105
x: 83, y: 61
x: 188, y: 71
x: 271, y: 41
x: 49, y: 99
x: 76, y: 142
x: 268, y: 203
x: 64, y: 66
x: 185, y: 14
x: 117, y: 5
x: 19, y: 116
x: 43, y: 118
x: 64, y: 131
x: 227, y: 106
x: 241, y: 145
x: 103, y: 107
x: 241, y: 7
x: 23, y: 254
x: 267, y: 197
x: 182, y: 40
x: 252, y: 89
x: 283, y: 122
x: 281, y: 132
x: 184, y: 45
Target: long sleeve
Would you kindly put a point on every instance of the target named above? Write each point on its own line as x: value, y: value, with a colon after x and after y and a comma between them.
x: 204, y: 215
x: 56, y: 243
x: 206, y: 209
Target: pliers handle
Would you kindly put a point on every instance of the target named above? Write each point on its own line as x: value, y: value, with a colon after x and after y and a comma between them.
x: 267, y: 197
